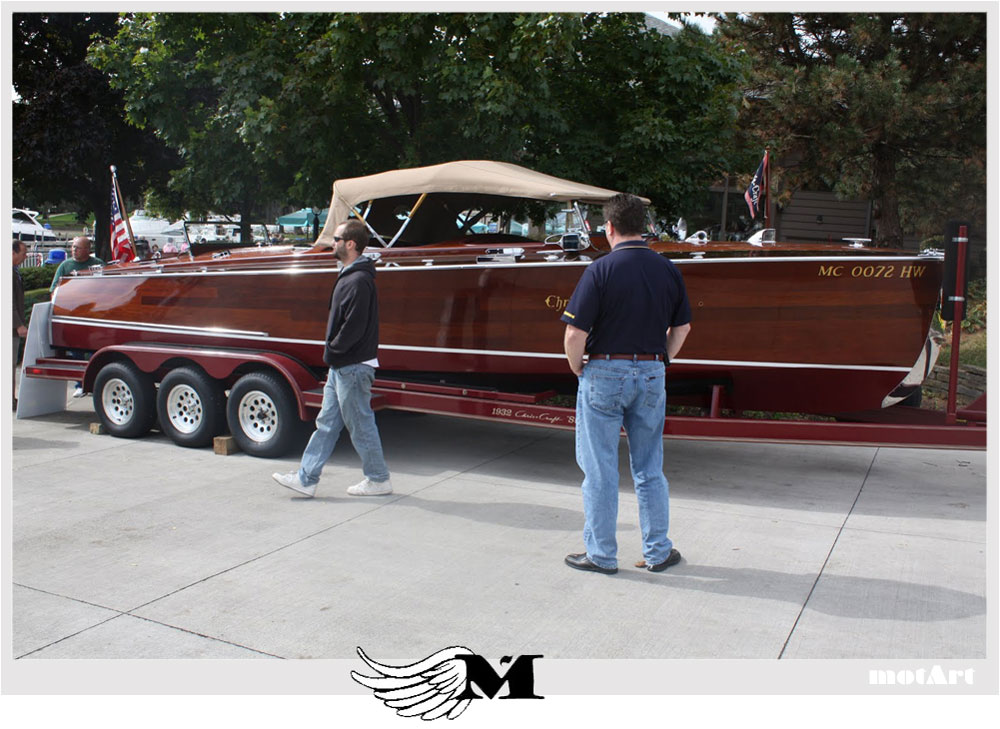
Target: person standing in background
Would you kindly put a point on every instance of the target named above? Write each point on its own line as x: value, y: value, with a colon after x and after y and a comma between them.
x: 20, y: 325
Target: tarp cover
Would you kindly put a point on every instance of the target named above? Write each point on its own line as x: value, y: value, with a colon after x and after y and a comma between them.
x: 468, y: 176
x: 301, y: 218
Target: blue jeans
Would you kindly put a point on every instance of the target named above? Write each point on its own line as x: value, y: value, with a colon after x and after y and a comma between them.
x: 613, y: 393
x: 347, y: 399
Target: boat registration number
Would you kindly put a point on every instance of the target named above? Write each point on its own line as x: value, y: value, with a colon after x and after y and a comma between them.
x: 872, y: 271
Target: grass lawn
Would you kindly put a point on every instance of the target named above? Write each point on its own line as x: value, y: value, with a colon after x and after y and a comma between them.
x: 971, y: 349
x: 68, y: 221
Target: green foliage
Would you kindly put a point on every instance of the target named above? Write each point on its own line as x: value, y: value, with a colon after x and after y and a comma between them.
x: 642, y: 112
x: 881, y: 106
x: 190, y: 77
x: 975, y: 316
x: 972, y: 350
x: 37, y: 277
x: 68, y: 126
x: 32, y: 297
x: 279, y: 106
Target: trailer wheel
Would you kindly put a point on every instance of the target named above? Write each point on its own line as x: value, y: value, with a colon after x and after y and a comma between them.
x: 191, y: 406
x: 263, y: 415
x: 125, y: 400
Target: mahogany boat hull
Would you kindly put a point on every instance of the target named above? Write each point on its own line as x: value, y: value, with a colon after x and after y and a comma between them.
x: 814, y: 334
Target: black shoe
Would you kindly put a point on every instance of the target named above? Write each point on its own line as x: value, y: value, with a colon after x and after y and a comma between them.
x: 582, y: 562
x: 673, y: 558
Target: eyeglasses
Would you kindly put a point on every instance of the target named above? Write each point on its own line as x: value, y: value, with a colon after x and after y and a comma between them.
x: 337, y: 239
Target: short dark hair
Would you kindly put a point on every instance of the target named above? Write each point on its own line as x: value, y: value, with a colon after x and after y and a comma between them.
x: 358, y: 232
x: 18, y: 244
x: 627, y: 213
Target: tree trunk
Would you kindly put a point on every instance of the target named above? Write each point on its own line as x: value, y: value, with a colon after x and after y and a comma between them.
x: 101, y: 204
x: 246, y: 225
x: 888, y: 231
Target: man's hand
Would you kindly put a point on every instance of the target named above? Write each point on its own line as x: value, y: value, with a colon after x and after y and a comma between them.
x: 22, y: 331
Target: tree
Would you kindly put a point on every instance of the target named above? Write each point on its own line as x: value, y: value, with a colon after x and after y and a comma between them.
x: 597, y: 97
x: 890, y: 107
x: 643, y: 112
x: 286, y: 104
x: 67, y: 122
x: 192, y: 78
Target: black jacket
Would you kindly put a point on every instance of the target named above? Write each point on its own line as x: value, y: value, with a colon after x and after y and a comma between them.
x: 352, y: 329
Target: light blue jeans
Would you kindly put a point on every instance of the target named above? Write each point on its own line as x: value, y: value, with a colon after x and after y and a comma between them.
x: 613, y: 393
x: 347, y: 399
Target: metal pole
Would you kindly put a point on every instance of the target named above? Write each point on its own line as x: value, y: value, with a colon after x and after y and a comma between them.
x: 956, y: 324
x: 725, y: 210
x: 767, y: 188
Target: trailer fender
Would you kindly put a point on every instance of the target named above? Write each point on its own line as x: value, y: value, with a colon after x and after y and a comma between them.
x: 217, y: 363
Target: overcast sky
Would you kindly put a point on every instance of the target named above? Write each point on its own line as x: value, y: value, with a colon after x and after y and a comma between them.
x: 706, y: 24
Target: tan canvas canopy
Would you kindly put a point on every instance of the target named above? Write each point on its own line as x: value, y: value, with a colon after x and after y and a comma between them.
x: 468, y: 176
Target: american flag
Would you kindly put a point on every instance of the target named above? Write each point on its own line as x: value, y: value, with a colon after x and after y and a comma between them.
x: 755, y: 191
x: 122, y: 248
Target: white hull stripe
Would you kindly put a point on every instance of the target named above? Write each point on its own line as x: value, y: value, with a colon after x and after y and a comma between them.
x: 167, y: 328
x: 263, y: 336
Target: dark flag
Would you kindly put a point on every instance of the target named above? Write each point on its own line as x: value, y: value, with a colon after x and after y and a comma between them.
x: 755, y: 192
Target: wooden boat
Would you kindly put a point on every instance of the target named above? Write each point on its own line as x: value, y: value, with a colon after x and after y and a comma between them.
x: 805, y: 328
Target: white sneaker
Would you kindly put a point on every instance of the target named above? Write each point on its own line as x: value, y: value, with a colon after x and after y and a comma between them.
x: 78, y: 392
x: 291, y: 481
x: 371, y: 488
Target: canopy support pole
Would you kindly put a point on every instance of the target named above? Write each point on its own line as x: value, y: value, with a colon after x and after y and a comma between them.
x: 409, y: 217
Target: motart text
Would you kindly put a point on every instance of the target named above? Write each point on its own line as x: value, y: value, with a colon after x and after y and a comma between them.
x: 872, y: 271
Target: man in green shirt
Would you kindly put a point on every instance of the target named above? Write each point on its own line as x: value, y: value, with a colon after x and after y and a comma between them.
x: 81, y: 260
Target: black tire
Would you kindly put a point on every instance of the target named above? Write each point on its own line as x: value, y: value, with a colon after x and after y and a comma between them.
x: 191, y: 406
x: 263, y: 415
x: 125, y: 400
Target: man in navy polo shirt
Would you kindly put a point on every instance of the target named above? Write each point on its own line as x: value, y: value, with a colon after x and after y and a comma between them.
x: 631, y: 314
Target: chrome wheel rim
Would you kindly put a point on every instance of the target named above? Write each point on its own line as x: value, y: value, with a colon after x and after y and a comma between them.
x: 184, y: 409
x: 258, y: 416
x: 118, y: 401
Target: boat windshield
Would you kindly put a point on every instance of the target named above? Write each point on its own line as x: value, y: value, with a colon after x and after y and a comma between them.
x: 416, y: 220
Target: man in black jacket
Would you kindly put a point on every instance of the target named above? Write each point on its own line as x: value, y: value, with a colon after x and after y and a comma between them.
x: 351, y: 351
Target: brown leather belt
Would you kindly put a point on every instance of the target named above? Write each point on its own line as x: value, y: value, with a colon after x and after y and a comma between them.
x: 633, y: 357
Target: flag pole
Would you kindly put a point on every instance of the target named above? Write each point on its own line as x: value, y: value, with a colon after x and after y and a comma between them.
x: 122, y: 210
x: 767, y: 188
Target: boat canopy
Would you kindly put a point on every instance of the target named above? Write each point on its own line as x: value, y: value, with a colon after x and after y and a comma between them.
x: 463, y: 182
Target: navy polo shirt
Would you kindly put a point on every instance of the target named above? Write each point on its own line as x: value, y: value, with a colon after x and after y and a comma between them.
x: 627, y: 300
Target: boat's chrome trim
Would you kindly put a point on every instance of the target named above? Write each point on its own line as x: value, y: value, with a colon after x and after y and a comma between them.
x: 418, y: 265
x: 159, y: 273
x: 800, y: 259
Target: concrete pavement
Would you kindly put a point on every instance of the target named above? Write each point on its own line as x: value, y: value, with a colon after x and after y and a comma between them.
x: 142, y: 549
